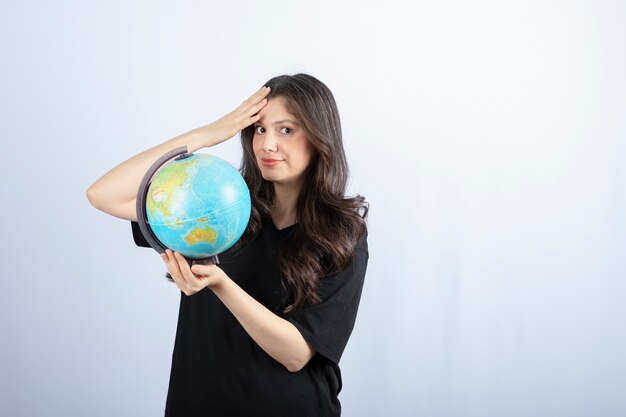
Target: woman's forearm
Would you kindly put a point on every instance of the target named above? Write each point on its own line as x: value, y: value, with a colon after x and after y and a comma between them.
x: 276, y: 336
x: 119, y: 186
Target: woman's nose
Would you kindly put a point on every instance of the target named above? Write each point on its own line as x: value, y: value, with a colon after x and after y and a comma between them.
x: 269, y: 142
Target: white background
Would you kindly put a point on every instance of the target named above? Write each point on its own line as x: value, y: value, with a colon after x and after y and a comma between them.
x: 488, y: 137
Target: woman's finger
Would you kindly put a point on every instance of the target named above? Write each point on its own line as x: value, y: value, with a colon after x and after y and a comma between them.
x: 254, y: 98
x: 188, y: 274
x: 184, y: 267
x: 201, y: 270
x: 253, y: 112
x: 257, y: 107
x: 170, y: 274
x: 261, y: 92
x: 174, y: 268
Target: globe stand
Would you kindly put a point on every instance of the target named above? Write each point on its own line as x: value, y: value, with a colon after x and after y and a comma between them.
x: 142, y: 216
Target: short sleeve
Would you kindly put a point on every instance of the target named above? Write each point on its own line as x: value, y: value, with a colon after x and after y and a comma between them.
x: 138, y: 237
x: 327, y: 326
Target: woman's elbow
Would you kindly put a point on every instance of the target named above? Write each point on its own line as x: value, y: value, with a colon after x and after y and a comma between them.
x: 92, y: 196
x: 295, y: 367
x: 297, y: 364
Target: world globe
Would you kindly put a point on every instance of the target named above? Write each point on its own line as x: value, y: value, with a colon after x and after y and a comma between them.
x: 197, y: 204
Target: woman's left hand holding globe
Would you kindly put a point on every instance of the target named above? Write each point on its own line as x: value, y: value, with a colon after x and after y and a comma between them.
x: 190, y: 280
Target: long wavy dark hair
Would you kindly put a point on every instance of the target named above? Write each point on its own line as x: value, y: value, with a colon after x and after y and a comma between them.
x: 330, y: 224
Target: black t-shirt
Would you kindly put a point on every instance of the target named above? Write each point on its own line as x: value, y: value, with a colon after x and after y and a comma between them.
x: 219, y: 370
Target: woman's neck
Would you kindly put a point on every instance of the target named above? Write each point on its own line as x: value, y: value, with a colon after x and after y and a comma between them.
x: 285, y: 201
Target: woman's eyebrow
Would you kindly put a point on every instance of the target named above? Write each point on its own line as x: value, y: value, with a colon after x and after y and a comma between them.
x: 282, y: 121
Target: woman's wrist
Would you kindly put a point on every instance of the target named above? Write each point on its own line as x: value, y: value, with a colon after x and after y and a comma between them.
x: 206, y: 136
x: 220, y: 280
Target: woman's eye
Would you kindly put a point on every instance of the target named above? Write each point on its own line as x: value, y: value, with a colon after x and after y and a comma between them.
x: 257, y: 127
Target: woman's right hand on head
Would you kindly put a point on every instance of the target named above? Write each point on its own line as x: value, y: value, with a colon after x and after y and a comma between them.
x: 243, y: 116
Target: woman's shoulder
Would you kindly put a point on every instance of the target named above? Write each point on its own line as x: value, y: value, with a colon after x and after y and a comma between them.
x: 362, y: 243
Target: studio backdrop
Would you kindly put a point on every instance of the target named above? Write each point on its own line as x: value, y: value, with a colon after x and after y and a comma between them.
x: 488, y: 137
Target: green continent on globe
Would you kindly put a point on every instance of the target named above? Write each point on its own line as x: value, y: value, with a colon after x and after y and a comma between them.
x: 165, y: 188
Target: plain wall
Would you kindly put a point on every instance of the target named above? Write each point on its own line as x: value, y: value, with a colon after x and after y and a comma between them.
x: 488, y: 137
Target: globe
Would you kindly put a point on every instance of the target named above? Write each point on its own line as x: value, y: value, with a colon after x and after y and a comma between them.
x: 197, y: 205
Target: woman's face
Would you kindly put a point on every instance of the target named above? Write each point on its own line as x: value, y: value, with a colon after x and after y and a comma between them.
x: 282, y: 150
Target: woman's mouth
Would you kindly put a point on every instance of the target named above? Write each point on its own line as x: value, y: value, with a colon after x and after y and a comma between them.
x: 270, y: 162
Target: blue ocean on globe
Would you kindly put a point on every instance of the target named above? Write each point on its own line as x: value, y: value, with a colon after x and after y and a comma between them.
x: 198, y: 206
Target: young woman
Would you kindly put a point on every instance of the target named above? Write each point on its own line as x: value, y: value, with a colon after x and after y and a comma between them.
x: 262, y: 332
